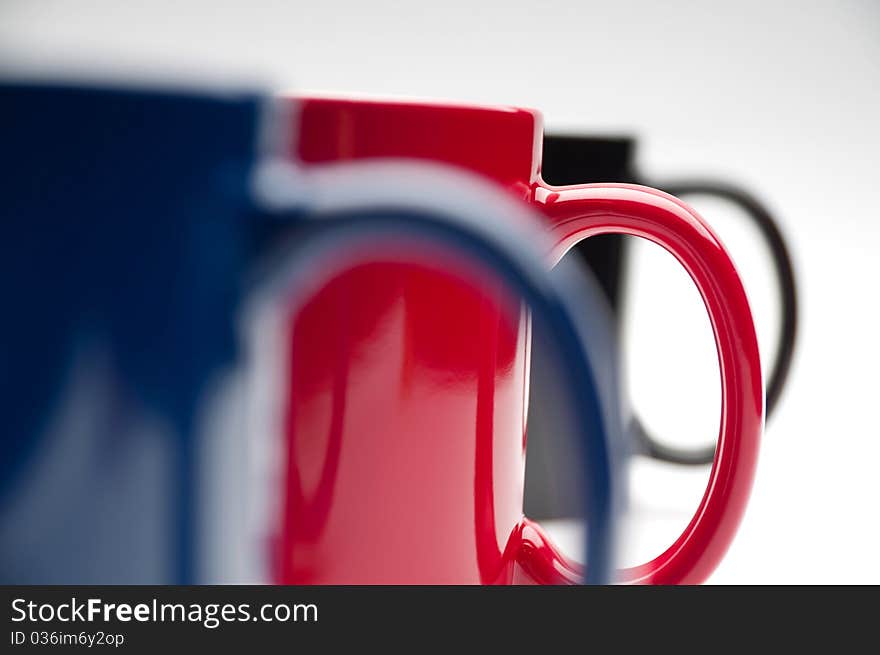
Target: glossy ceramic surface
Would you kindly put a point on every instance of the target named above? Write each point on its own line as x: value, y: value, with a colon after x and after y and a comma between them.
x: 408, y: 403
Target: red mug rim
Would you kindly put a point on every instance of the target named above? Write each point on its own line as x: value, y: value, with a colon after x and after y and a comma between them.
x: 501, y: 142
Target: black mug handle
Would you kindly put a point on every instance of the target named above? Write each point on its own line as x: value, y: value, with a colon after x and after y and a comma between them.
x: 785, y: 342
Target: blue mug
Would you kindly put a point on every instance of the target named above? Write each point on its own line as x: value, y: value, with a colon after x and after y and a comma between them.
x: 139, y: 226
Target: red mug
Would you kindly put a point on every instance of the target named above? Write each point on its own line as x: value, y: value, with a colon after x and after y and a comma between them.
x: 408, y: 386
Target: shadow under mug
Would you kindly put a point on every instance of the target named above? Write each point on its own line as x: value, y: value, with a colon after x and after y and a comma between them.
x: 576, y: 159
x: 424, y: 388
x: 137, y: 228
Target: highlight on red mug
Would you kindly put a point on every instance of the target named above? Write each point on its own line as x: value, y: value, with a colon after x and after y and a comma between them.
x: 457, y: 406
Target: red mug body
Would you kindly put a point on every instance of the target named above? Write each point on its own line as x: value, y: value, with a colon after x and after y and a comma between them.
x: 408, y: 384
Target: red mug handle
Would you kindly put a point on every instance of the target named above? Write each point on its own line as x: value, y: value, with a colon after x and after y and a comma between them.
x: 578, y: 212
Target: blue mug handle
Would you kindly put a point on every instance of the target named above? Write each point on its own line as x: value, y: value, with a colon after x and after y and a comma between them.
x: 355, y: 207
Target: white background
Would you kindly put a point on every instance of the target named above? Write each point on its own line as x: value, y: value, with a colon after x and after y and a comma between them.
x: 781, y: 97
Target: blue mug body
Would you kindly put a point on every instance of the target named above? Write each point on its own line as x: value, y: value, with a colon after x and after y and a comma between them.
x: 133, y: 235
